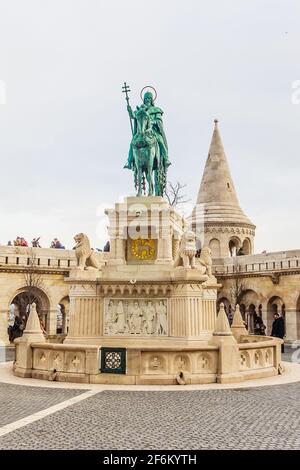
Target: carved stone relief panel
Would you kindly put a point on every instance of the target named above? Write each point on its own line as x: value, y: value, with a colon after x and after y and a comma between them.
x: 154, y: 363
x: 142, y: 317
x: 40, y: 359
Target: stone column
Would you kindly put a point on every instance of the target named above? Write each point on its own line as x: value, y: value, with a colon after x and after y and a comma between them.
x: 66, y: 320
x: 192, y: 309
x: 120, y: 249
x: 264, y: 312
x: 290, y: 325
x: 224, y: 244
x: 52, y: 321
x: 160, y: 251
x: 3, y: 326
x: 86, y: 308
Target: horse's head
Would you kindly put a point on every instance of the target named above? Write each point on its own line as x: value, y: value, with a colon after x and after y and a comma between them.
x: 142, y: 120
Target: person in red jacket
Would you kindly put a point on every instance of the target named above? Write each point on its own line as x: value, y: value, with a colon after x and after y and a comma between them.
x: 23, y: 242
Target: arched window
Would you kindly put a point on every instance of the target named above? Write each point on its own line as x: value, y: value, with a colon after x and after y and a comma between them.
x: 19, y: 309
x: 234, y: 245
x: 214, y: 245
x: 246, y: 247
x: 62, y: 325
x: 275, y: 305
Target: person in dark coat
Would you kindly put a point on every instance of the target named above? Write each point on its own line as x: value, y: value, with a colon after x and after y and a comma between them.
x: 16, y: 330
x: 106, y: 246
x: 259, y: 326
x: 278, y: 328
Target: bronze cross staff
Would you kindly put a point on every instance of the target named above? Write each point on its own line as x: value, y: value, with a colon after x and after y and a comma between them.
x: 126, y: 90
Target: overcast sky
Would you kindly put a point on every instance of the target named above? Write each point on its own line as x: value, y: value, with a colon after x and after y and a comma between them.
x: 64, y: 130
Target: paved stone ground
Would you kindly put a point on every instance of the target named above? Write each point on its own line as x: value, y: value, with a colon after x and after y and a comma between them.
x: 17, y: 401
x: 291, y: 354
x: 248, y: 418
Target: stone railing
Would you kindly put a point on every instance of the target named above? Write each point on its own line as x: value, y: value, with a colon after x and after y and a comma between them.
x: 260, y: 263
x: 257, y: 357
x: 46, y: 258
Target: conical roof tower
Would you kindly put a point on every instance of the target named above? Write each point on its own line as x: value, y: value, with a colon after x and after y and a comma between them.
x: 217, y: 216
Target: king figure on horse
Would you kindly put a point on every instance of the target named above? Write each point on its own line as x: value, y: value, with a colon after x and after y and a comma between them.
x: 148, y: 153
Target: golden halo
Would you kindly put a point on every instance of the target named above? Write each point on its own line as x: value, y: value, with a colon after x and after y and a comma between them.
x: 148, y: 88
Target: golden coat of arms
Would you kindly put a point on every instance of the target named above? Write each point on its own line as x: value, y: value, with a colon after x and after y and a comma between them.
x: 143, y: 249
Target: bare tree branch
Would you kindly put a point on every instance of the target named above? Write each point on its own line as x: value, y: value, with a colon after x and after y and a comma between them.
x: 238, y: 287
x: 173, y: 193
x: 33, y: 281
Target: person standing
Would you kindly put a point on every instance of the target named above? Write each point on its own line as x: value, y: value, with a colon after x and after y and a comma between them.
x: 35, y: 243
x: 278, y: 328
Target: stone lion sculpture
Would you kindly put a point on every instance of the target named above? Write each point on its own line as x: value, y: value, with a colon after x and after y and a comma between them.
x: 206, y: 260
x: 187, y: 250
x: 86, y: 258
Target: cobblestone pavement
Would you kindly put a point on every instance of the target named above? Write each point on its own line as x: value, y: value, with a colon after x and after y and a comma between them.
x: 247, y: 418
x: 17, y: 401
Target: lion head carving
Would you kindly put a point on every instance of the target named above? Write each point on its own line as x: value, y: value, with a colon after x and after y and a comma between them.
x: 82, y: 244
x: 86, y: 257
x: 187, y: 250
x: 188, y: 243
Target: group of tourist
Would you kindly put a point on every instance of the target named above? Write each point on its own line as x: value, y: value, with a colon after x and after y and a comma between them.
x: 278, y: 327
x: 19, y: 241
x: 57, y: 244
x: 259, y: 328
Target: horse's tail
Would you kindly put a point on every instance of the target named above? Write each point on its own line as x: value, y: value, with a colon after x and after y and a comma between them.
x: 144, y: 183
x: 161, y: 177
x: 135, y: 175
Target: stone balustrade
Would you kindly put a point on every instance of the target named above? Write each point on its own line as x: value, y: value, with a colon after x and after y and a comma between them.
x: 18, y: 256
x: 260, y: 263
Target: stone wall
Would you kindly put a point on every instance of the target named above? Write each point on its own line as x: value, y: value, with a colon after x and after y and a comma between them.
x: 258, y: 357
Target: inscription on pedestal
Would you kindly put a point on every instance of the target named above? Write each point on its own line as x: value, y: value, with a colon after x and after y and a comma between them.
x: 141, y: 317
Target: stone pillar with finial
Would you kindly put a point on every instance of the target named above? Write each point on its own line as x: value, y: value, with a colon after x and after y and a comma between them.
x: 24, y: 354
x: 238, y: 326
x: 228, y: 363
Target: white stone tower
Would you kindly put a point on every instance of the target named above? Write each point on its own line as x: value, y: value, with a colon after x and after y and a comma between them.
x: 217, y: 217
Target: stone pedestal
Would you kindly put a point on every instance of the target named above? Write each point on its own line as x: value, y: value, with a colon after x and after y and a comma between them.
x: 174, y: 304
x: 150, y: 219
x: 24, y: 353
x: 142, y: 318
